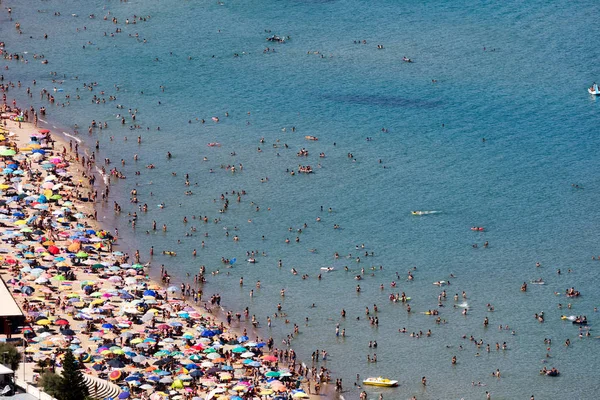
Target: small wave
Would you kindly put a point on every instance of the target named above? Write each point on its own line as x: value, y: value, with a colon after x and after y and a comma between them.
x: 71, y: 136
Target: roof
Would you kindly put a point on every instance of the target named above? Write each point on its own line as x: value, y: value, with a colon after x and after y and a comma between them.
x: 4, y: 370
x: 9, y: 308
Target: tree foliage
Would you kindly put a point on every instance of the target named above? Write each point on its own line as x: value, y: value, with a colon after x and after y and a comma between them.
x: 51, y: 383
x: 10, y: 356
x: 72, y: 385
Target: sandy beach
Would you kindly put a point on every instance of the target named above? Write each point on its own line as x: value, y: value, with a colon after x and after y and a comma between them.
x: 78, y: 291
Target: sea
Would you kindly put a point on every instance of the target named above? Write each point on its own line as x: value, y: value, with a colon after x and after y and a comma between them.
x: 490, y: 126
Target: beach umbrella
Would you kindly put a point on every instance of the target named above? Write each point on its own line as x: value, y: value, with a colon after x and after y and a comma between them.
x: 177, y: 384
x: 28, y: 290
x: 7, y: 152
x: 68, y: 332
x: 114, y: 375
x: 61, y: 321
x: 269, y: 358
x: 196, y: 373
x: 272, y: 374
x: 139, y: 359
x: 116, y: 363
x: 123, y: 395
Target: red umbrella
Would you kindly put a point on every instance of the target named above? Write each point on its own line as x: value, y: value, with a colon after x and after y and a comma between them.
x: 269, y: 357
x: 163, y: 327
x: 114, y: 375
x: 44, y: 131
x: 53, y: 250
x: 61, y: 321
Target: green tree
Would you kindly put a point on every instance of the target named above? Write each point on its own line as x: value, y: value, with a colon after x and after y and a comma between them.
x: 51, y: 383
x: 10, y: 356
x: 72, y: 385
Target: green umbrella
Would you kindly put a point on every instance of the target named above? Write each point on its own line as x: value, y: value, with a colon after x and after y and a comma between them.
x: 96, y: 266
x: 238, y: 349
x: 59, y: 278
x: 7, y: 152
x: 56, y: 197
x: 81, y: 254
x: 137, y: 266
x: 272, y: 374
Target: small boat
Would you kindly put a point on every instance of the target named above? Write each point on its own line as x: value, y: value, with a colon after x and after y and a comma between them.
x: 594, y: 90
x: 379, y: 381
x: 419, y: 212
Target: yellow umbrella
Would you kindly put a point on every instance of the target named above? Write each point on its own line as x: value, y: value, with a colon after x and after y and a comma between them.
x: 21, y: 222
x: 136, y: 341
x: 43, y: 322
x: 4, y: 186
x: 266, y: 392
x: 97, y: 301
x: 105, y: 352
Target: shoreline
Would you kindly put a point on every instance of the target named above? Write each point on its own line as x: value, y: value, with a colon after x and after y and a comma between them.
x: 216, y: 318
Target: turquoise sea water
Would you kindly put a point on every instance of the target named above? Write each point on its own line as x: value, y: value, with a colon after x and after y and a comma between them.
x: 525, y: 94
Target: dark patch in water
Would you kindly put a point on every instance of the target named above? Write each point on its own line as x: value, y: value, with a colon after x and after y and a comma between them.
x: 385, y: 101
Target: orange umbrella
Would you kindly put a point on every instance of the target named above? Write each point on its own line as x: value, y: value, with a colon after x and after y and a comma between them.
x: 75, y: 246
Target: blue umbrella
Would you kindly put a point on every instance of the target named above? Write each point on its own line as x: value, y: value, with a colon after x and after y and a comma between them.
x: 108, y: 326
x: 149, y: 293
x: 207, y: 333
x: 242, y: 339
x: 28, y: 290
x: 123, y: 395
x: 232, y: 261
x: 196, y: 373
